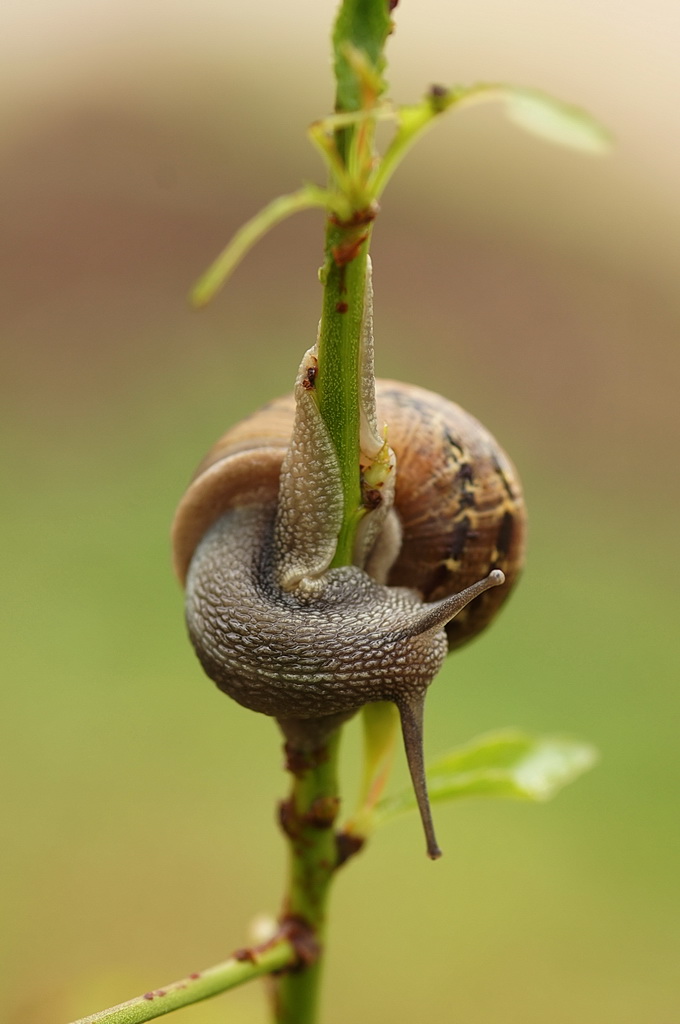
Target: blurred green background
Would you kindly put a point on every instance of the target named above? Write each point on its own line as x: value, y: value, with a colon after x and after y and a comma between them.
x: 536, y: 287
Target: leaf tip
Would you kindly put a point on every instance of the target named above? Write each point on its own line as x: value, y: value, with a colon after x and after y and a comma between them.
x: 199, y: 296
x: 556, y: 121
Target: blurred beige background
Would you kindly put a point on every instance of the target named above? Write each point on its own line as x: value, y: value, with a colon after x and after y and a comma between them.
x: 535, y: 286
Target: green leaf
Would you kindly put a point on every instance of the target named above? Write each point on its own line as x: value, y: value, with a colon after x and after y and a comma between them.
x: 506, y: 764
x: 533, y: 110
x: 556, y: 121
x: 245, y: 238
x: 544, y: 116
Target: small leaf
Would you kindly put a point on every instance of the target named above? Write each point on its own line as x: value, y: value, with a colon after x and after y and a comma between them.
x: 245, y: 238
x: 556, y: 121
x: 506, y: 764
x: 534, y: 111
x: 544, y: 116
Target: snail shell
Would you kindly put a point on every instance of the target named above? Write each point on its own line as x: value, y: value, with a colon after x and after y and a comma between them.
x: 458, y: 499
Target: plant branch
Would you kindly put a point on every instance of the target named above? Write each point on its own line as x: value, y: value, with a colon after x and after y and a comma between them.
x: 359, y: 38
x: 307, y: 819
x: 308, y: 816
x: 339, y: 368
x: 243, y: 966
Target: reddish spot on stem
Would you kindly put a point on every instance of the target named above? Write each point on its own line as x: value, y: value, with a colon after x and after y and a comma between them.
x: 358, y: 218
x: 195, y: 976
x: 341, y: 307
x: 303, y: 937
x: 347, y: 846
x: 300, y: 761
x: 323, y: 811
x: 289, y: 820
x: 148, y: 995
x: 245, y: 955
x: 348, y: 250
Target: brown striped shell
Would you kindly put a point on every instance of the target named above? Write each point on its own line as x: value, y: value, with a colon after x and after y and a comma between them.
x: 458, y: 497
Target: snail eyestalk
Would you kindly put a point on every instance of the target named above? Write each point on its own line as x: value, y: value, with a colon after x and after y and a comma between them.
x: 411, y: 715
x: 438, y: 615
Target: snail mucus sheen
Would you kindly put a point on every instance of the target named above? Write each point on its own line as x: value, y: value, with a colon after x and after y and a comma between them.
x: 256, y: 531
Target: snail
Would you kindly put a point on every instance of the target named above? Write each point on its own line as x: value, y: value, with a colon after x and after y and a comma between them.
x: 256, y: 531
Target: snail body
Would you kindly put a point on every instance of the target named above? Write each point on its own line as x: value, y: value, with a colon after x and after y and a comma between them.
x: 287, y: 654
x: 254, y: 535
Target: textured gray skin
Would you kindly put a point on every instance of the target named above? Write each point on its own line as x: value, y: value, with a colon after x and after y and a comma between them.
x: 331, y: 646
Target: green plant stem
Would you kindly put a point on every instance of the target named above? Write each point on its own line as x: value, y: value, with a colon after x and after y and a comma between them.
x: 307, y: 818
x: 363, y: 26
x: 238, y: 969
x: 359, y: 35
x: 339, y: 367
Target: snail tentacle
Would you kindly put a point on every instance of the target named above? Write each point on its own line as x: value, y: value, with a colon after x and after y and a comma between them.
x: 411, y: 716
